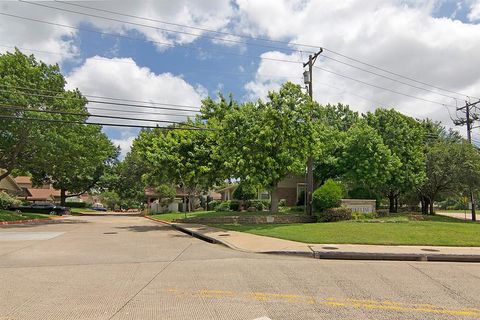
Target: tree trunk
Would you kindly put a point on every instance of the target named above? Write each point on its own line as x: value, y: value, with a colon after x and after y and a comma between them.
x: 425, y: 203
x: 63, y: 197
x: 191, y: 200
x: 274, y: 199
x: 396, y: 204
x: 391, y: 198
x: 431, y: 206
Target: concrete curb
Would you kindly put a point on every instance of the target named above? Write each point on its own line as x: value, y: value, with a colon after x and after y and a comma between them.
x: 333, y: 255
x: 24, y: 221
x: 397, y: 256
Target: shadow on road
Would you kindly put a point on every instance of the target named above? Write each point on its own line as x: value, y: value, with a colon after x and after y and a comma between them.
x: 145, y: 228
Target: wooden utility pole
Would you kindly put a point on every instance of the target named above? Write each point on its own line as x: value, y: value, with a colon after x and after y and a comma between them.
x: 468, y: 121
x: 308, y: 79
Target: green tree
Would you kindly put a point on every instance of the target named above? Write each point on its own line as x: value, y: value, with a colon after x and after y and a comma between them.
x: 24, y: 82
x: 329, y: 195
x: 72, y: 158
x: 404, y: 136
x: 111, y: 199
x: 264, y: 142
x: 366, y: 161
x: 182, y: 156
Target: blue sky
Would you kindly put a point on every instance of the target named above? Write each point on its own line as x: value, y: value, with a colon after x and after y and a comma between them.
x: 435, y: 42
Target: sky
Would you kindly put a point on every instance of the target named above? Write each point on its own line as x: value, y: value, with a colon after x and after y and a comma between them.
x: 419, y: 57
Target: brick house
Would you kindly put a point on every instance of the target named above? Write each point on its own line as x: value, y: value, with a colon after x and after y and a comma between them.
x: 290, y: 189
x: 44, y: 194
x: 10, y: 186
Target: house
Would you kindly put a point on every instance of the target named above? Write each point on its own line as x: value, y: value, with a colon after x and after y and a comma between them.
x: 179, y: 203
x: 10, y: 186
x: 44, y: 194
x: 291, y: 189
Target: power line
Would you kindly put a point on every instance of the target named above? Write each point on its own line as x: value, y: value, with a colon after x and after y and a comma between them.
x: 209, y: 73
x: 194, y: 109
x: 156, y: 27
x: 143, y: 112
x: 389, y: 78
x: 383, y: 88
x: 97, y: 123
x: 24, y: 108
x: 141, y: 40
x: 268, y: 40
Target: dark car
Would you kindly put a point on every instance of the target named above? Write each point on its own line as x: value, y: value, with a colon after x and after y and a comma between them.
x: 99, y: 208
x: 42, y: 207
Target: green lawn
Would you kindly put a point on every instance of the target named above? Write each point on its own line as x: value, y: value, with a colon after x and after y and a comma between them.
x: 434, y: 230
x: 12, y: 216
x: 78, y: 210
x: 205, y: 214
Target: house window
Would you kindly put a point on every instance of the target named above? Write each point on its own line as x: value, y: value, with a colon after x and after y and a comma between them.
x: 301, y: 188
x: 264, y: 195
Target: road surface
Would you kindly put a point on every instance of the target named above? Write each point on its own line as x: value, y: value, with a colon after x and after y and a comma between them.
x: 127, y: 267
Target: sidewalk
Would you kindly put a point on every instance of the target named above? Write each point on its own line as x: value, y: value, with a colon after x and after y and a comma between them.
x: 260, y: 244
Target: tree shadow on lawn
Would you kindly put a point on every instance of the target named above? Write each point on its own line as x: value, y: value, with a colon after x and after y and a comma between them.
x: 42, y: 223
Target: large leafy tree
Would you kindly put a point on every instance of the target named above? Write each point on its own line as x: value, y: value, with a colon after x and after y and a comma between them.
x: 404, y: 136
x: 368, y: 163
x: 31, y: 85
x: 331, y: 123
x: 264, y: 142
x: 184, y: 155
x: 72, y: 158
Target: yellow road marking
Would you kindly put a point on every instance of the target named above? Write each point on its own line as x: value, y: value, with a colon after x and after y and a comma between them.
x: 331, y: 302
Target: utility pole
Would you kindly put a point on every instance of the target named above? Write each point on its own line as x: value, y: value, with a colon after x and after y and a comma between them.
x: 308, y: 79
x: 468, y: 121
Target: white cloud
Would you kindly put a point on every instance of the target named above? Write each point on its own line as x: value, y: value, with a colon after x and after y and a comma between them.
x: 124, y: 144
x: 399, y: 36
x: 474, y: 13
x: 215, y: 14
x: 124, y: 79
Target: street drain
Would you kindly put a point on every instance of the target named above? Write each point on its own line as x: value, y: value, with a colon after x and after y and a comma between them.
x: 330, y: 248
x: 431, y: 250
x: 110, y: 232
x: 224, y: 235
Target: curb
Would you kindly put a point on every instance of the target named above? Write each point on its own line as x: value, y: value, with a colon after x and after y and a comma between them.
x: 190, y: 232
x: 24, y: 221
x: 332, y: 255
x: 397, y: 256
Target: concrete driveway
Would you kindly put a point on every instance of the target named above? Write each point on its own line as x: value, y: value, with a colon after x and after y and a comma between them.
x: 127, y: 267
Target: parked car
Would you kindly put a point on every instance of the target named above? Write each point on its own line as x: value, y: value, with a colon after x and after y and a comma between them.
x: 99, y: 208
x: 42, y: 207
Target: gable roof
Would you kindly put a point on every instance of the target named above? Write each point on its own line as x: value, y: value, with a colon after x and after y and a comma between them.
x: 23, y: 179
x: 9, y: 184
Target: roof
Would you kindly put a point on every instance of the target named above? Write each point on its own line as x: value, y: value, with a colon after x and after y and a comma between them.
x: 23, y: 179
x: 9, y: 184
x: 229, y: 187
x: 42, y: 194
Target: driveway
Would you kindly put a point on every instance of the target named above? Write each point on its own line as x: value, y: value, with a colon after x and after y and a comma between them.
x: 127, y: 267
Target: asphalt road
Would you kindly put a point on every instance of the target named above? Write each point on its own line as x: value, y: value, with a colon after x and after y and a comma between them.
x: 121, y: 267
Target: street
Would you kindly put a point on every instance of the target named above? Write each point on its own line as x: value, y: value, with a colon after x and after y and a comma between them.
x: 128, y: 267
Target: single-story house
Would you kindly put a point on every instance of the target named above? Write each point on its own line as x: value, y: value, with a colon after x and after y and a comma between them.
x: 290, y: 189
x: 44, y: 194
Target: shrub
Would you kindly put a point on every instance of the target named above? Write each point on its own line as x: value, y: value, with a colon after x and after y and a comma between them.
x: 363, y: 215
x: 257, y: 204
x: 6, y: 201
x: 244, y: 192
x: 299, y: 209
x: 328, y: 196
x: 234, y: 205
x: 212, y: 205
x: 282, y: 203
x: 75, y: 204
x: 335, y: 214
x: 223, y: 206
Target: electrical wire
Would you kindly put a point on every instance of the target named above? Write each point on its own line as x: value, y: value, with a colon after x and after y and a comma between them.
x: 97, y: 123
x: 157, y: 28
x: 23, y: 108
x: 383, y: 88
x: 267, y: 40
x: 142, y: 40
